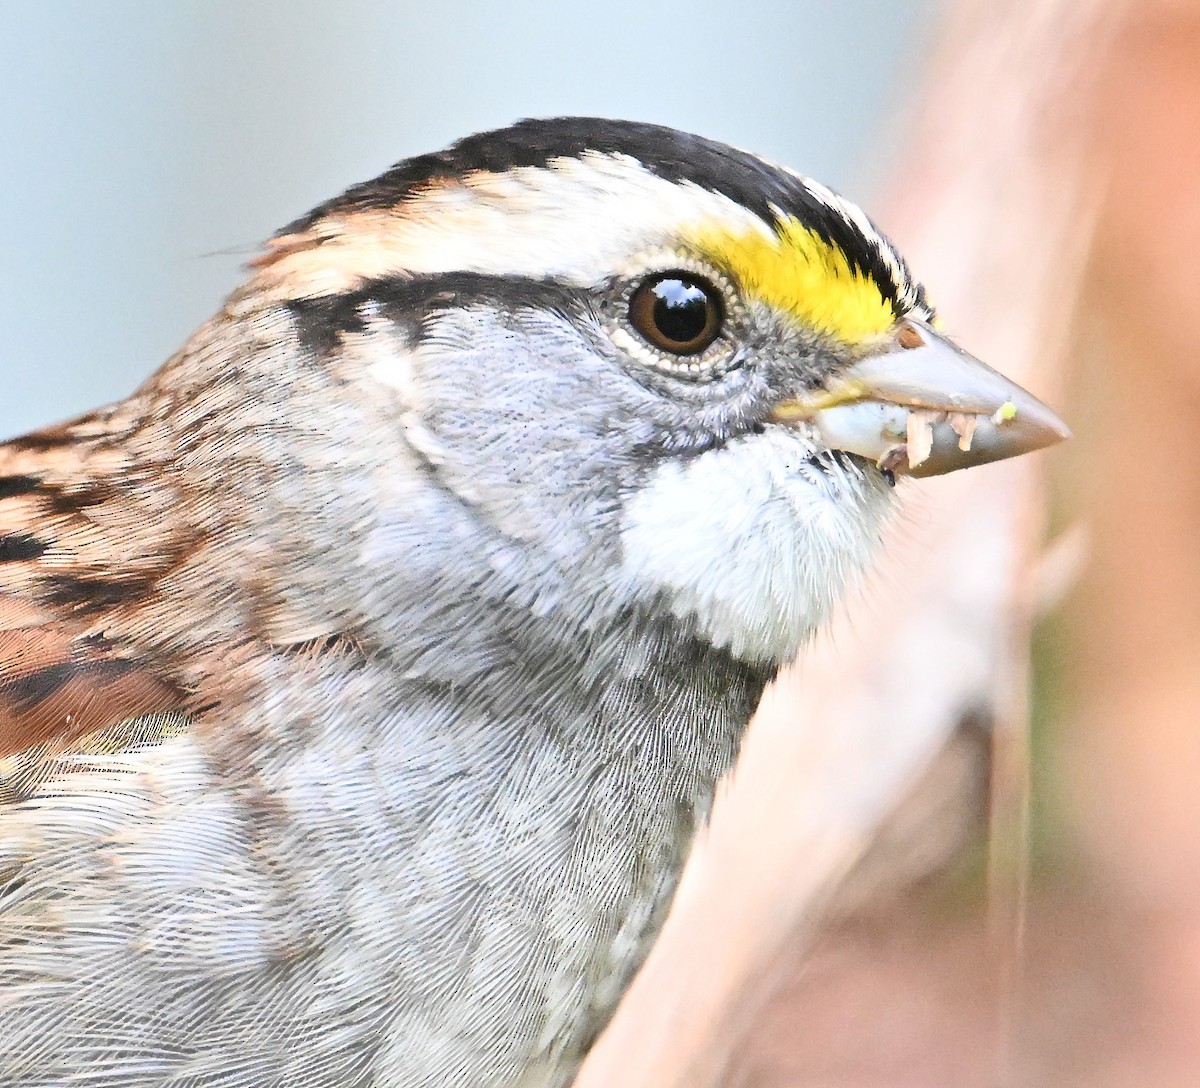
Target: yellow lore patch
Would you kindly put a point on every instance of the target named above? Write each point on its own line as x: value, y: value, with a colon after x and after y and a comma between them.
x: 798, y: 272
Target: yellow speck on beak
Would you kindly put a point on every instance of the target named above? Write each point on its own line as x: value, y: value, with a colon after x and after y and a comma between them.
x: 798, y: 272
x: 1004, y: 413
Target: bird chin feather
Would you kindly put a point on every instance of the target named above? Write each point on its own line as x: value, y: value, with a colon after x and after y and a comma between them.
x: 755, y: 542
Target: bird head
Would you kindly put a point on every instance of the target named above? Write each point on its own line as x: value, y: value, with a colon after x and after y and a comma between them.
x: 688, y: 371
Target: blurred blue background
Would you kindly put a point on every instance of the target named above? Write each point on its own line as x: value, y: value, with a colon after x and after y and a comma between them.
x: 149, y: 147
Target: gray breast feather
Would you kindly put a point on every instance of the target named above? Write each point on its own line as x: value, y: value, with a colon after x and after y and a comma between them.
x: 356, y: 908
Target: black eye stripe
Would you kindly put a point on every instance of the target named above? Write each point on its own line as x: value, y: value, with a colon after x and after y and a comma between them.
x: 677, y: 312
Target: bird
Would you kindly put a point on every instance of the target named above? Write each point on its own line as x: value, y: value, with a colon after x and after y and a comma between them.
x: 366, y: 674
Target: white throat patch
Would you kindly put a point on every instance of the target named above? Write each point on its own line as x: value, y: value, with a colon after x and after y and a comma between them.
x: 753, y: 541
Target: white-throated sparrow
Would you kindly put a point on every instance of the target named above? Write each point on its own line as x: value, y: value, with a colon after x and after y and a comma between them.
x: 365, y: 675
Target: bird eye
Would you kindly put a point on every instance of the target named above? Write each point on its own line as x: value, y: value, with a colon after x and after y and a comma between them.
x: 677, y: 312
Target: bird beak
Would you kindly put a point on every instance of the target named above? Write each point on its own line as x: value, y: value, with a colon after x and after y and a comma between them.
x: 921, y: 407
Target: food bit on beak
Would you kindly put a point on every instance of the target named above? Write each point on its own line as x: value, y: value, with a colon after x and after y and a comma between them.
x: 922, y: 407
x: 962, y: 425
x: 920, y: 436
x: 1004, y: 413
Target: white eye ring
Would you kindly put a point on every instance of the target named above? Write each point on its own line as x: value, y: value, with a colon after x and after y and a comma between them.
x: 713, y: 358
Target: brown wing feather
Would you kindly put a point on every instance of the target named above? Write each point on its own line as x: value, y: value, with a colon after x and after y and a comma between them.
x: 55, y: 688
x: 80, y: 559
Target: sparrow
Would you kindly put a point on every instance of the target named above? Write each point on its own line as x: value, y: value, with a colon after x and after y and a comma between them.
x: 366, y: 675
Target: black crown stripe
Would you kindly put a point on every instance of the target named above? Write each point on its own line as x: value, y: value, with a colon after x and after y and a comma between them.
x: 672, y: 155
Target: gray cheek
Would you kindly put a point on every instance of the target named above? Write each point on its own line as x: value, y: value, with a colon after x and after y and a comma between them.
x: 751, y: 542
x: 529, y: 425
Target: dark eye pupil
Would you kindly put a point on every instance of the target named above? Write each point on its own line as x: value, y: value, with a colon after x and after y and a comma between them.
x: 680, y: 310
x: 677, y: 312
